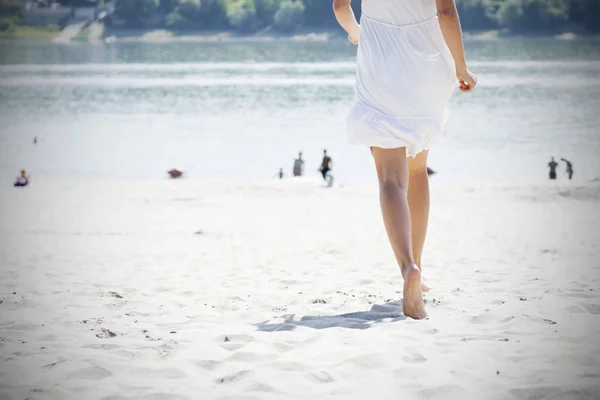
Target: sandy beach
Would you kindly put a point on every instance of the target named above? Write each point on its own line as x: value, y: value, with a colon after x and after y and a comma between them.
x: 287, y: 290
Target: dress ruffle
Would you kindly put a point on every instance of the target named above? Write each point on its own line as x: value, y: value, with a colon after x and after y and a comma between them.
x: 369, y: 127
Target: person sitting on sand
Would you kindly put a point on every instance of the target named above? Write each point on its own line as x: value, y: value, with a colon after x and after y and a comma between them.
x: 325, y: 165
x: 175, y: 173
x: 22, y: 180
x: 299, y: 165
x: 552, y: 164
x: 569, y: 168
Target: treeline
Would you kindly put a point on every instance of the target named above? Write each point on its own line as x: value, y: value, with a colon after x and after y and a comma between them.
x: 530, y: 16
x: 287, y: 16
x: 245, y: 16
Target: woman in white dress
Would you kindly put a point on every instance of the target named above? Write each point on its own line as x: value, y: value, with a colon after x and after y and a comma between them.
x: 410, y: 56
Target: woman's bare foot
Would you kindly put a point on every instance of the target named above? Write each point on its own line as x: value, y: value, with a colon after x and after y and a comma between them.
x: 412, y: 304
x: 424, y: 286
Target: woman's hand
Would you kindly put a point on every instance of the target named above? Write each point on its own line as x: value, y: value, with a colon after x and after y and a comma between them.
x: 354, y: 36
x: 466, y: 79
x: 345, y: 16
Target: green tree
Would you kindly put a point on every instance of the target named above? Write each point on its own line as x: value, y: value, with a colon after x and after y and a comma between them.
x: 265, y: 10
x: 586, y: 13
x: 319, y: 13
x: 9, y: 24
x: 243, y: 20
x: 510, y: 15
x: 190, y: 8
x: 11, y: 7
x: 197, y: 14
x: 533, y: 15
x: 135, y: 12
x: 241, y: 15
x: 216, y: 14
x: 289, y: 16
x: 175, y: 20
x: 476, y: 14
x: 166, y: 6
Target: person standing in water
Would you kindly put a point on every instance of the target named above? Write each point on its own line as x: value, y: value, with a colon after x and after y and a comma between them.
x: 298, y: 165
x: 410, y: 54
x: 552, y: 164
x: 325, y: 165
x: 569, y: 168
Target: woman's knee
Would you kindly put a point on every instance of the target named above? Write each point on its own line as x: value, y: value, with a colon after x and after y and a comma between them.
x: 393, y: 173
x: 391, y: 165
x: 393, y: 184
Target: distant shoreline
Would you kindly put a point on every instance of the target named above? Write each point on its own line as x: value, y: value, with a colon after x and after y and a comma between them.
x: 163, y: 35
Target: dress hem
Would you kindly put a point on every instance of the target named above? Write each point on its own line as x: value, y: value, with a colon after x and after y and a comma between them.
x: 370, y: 127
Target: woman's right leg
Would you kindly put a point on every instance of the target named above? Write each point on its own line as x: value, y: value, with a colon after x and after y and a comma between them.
x: 392, y: 172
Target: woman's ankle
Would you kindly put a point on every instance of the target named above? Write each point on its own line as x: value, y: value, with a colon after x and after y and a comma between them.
x: 408, y: 267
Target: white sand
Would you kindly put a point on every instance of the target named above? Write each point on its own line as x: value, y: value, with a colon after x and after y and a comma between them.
x: 108, y: 293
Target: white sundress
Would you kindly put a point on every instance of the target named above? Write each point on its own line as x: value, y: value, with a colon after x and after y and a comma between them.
x: 405, y: 77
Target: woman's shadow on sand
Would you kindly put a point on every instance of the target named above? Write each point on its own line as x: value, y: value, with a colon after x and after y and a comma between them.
x: 379, y: 313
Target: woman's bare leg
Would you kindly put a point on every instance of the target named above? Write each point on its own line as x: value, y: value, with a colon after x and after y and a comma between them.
x: 392, y: 172
x: 418, y: 202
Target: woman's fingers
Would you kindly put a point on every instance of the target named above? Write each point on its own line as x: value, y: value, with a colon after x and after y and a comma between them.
x: 467, y: 82
x: 472, y: 82
x: 464, y: 87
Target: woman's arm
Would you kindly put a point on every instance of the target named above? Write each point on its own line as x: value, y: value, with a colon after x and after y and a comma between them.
x: 345, y: 17
x: 450, y: 26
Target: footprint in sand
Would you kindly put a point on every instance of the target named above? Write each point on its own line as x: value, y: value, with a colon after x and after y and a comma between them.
x: 415, y: 358
x: 54, y: 364
x: 322, y: 377
x: 208, y: 365
x: 92, y: 373
x: 235, y: 376
x: 251, y: 357
x: 105, y: 334
x: 593, y: 308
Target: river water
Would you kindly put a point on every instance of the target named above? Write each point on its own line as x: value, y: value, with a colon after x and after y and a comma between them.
x: 240, y: 110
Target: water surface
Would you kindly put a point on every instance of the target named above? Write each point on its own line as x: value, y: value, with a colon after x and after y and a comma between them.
x: 242, y: 110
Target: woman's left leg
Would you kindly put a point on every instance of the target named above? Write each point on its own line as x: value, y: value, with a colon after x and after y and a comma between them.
x: 418, y: 202
x: 392, y: 172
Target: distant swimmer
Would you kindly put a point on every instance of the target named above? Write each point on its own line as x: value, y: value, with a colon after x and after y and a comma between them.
x: 280, y: 173
x: 552, y: 164
x: 35, y: 140
x: 569, y: 168
x: 299, y: 165
x: 22, y: 180
x: 325, y: 165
